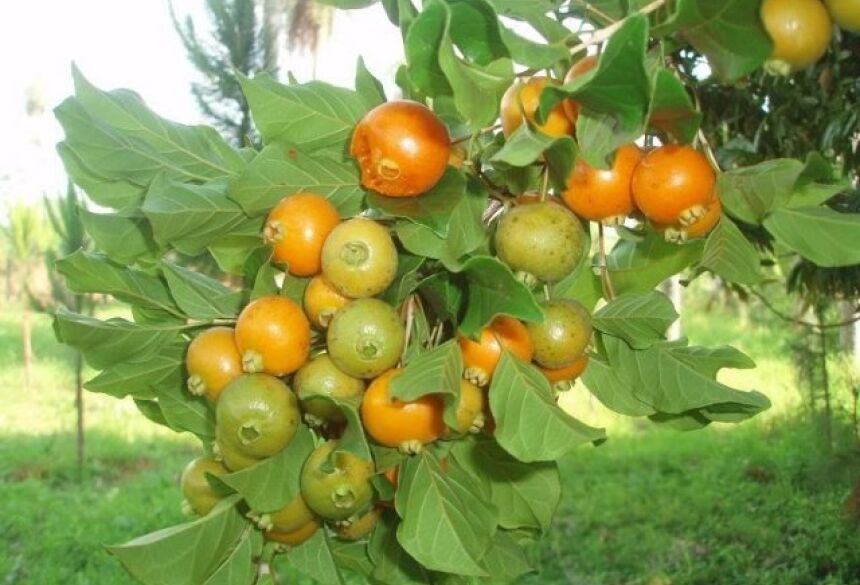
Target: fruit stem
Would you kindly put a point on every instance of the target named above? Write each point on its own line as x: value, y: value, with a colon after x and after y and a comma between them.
x: 608, y: 290
x: 409, y: 306
x: 545, y: 184
x: 484, y: 130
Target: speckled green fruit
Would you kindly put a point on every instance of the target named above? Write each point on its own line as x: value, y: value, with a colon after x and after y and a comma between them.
x: 292, y: 516
x: 365, y: 338
x: 544, y: 240
x: 319, y: 379
x: 196, y: 488
x: 563, y: 335
x: 257, y: 415
x: 336, y: 485
x: 359, y: 258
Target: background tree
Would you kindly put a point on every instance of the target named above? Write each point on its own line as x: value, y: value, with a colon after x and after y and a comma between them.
x: 64, y: 213
x: 766, y: 117
x: 27, y: 238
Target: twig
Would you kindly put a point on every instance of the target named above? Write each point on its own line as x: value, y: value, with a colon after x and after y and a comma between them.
x: 484, y: 130
x: 604, y: 33
x: 545, y: 185
x: 798, y: 320
x: 608, y: 290
x: 410, y: 319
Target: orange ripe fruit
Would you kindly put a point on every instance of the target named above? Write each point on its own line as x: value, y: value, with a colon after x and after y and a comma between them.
x: 273, y: 336
x: 673, y: 185
x: 402, y: 148
x: 521, y: 102
x: 212, y: 362
x: 394, y: 423
x: 296, y: 537
x: 567, y: 373
x: 700, y: 228
x: 296, y: 229
x: 481, y: 357
x: 599, y: 195
x: 322, y: 301
x: 578, y: 69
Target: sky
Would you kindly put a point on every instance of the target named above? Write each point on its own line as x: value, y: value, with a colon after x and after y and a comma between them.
x: 132, y: 44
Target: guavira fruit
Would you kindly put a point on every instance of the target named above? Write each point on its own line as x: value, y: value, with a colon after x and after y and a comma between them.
x: 365, y: 338
x: 603, y: 195
x: 336, y: 484
x: 563, y: 335
x: 482, y: 356
x: 360, y: 527
x: 289, y: 518
x: 296, y: 537
x: 521, y: 101
x: 232, y: 458
x: 398, y: 424
x: 195, y: 487
x: 566, y: 373
x: 256, y: 416
x: 801, y: 31
x: 700, y: 228
x: 470, y: 408
x: 318, y: 380
x: 674, y: 185
x: 402, y: 148
x: 541, y: 240
x: 212, y: 362
x: 359, y: 258
x: 321, y: 301
x: 273, y: 336
x: 845, y: 13
x: 577, y: 70
x: 296, y: 229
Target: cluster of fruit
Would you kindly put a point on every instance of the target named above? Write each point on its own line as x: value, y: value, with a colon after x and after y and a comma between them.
x: 801, y: 30
x: 672, y: 186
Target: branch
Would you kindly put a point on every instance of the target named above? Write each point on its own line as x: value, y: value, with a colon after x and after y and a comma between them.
x: 606, y: 280
x: 604, y: 33
x: 798, y: 320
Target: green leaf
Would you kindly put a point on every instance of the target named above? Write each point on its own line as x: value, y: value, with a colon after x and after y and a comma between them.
x: 112, y: 193
x: 529, y: 424
x: 729, y: 33
x: 820, y: 234
x: 437, y: 371
x: 122, y: 239
x: 603, y: 381
x: 731, y: 256
x: 526, y: 146
x: 276, y: 173
x: 391, y: 563
x: 310, y: 116
x: 233, y: 252
x: 672, y: 110
x: 188, y: 553
x: 537, y: 55
x: 639, y: 319
x: 140, y: 377
x: 421, y: 48
x: 314, y: 559
x: 474, y: 29
x: 273, y: 483
x: 118, y: 137
x: 265, y: 283
x: 352, y: 556
x: 185, y: 412
x: 433, y: 209
x: 465, y: 230
x: 525, y: 494
x: 353, y: 439
x: 105, y: 343
x: 199, y: 296
x: 368, y: 87
x: 240, y: 568
x: 192, y: 217
x: 406, y: 280
x: 751, y: 193
x: 444, y: 295
x: 506, y: 560
x: 582, y: 285
x: 477, y: 90
x: 614, y: 97
x: 494, y: 290
x: 641, y: 266
x: 670, y: 378
x: 151, y: 411
x: 86, y: 272
x: 447, y: 526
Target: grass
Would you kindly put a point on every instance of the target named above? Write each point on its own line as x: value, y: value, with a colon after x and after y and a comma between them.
x: 760, y: 503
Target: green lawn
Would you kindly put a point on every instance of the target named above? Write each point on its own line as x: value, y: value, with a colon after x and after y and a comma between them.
x: 761, y: 503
